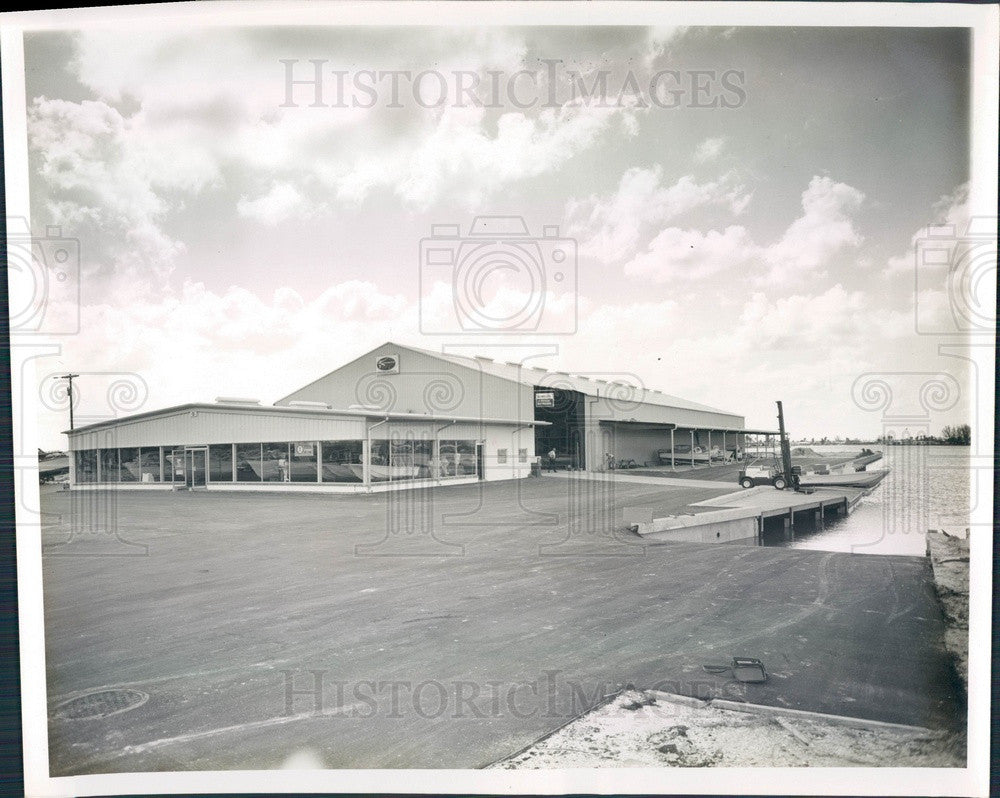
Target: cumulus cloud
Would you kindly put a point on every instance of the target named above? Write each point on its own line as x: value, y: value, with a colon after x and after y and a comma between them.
x: 610, y: 227
x: 104, y: 189
x: 806, y: 247
x: 459, y: 157
x: 283, y: 201
x: 177, y: 115
x: 689, y: 254
x: 709, y: 149
x: 825, y: 227
x: 823, y: 320
x: 950, y: 211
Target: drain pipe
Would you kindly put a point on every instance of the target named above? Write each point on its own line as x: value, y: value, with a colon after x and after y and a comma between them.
x: 367, y: 465
x: 589, y: 421
x: 436, y: 454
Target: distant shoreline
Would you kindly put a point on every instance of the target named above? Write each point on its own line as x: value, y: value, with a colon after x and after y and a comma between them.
x: 878, y: 443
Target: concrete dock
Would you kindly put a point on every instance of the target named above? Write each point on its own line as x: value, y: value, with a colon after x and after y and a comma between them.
x: 257, y: 631
x: 744, y: 515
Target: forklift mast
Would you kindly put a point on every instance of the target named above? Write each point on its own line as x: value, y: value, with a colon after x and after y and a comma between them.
x: 786, y: 451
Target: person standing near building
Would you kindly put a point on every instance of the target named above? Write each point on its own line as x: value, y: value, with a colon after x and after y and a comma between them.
x: 552, y: 459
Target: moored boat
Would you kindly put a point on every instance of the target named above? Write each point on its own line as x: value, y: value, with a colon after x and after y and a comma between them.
x: 683, y: 454
x: 857, y: 479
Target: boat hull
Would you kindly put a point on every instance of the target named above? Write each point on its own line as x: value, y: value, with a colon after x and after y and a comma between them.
x: 858, y: 479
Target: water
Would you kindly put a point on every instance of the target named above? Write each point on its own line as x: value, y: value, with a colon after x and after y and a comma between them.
x: 927, y: 488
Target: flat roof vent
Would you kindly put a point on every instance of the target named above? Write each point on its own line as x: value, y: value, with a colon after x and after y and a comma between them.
x: 308, y: 403
x: 236, y: 400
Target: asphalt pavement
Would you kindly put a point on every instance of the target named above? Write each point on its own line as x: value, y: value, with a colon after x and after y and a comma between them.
x: 444, y: 628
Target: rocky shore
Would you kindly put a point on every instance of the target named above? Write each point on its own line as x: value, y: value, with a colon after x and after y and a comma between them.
x: 949, y: 555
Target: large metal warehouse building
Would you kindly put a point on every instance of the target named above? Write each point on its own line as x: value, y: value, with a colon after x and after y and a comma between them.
x: 398, y: 415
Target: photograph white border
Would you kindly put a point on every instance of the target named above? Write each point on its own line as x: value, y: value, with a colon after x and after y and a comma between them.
x: 973, y: 780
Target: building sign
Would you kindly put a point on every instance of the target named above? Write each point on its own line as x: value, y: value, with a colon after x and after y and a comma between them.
x: 545, y: 399
x: 387, y: 364
x: 305, y: 450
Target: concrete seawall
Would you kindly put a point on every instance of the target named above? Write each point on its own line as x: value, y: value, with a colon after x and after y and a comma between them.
x: 739, y: 517
x: 721, y: 526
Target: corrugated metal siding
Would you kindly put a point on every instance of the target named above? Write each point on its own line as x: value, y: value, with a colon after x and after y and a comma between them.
x: 425, y: 384
x: 623, y: 410
x: 461, y: 431
x: 219, y: 426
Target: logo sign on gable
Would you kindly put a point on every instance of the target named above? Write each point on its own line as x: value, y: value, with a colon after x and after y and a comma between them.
x: 387, y: 364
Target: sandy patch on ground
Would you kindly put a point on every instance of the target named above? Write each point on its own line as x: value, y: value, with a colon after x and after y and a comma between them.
x: 950, y: 561
x: 646, y: 729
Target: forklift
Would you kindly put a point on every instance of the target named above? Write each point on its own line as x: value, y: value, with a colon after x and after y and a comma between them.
x: 780, y: 476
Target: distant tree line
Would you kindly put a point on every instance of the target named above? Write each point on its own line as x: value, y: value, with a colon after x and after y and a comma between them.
x: 959, y: 435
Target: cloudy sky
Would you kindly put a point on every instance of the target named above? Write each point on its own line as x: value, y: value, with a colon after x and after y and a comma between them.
x: 743, y: 234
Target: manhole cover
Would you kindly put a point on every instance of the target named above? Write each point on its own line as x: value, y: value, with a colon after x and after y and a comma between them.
x: 100, y: 704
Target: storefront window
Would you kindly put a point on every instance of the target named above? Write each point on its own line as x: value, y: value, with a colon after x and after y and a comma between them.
x: 248, y: 462
x: 458, y: 458
x: 86, y: 466
x: 129, y: 465
x: 173, y: 464
x: 275, y: 462
x: 109, y: 465
x: 402, y: 460
x: 149, y: 464
x: 380, y: 469
x: 342, y: 461
x: 410, y: 458
x: 220, y: 463
x: 423, y: 458
x: 302, y: 466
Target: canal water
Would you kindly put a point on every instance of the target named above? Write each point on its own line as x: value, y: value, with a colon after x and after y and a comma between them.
x: 927, y: 488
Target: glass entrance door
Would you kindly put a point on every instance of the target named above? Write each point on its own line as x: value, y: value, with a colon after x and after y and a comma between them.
x: 194, y: 468
x: 480, y: 461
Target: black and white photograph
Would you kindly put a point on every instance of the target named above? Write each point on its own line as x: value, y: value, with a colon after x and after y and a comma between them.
x: 503, y: 397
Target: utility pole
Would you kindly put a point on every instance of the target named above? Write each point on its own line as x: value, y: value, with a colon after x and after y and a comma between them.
x: 69, y: 393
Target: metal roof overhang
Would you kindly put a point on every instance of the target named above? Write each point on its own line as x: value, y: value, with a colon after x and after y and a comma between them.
x: 305, y: 411
x: 653, y: 425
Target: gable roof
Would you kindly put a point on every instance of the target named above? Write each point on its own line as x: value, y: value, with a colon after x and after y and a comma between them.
x: 582, y: 383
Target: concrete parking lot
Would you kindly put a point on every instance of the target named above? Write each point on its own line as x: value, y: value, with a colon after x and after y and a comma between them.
x: 444, y: 628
